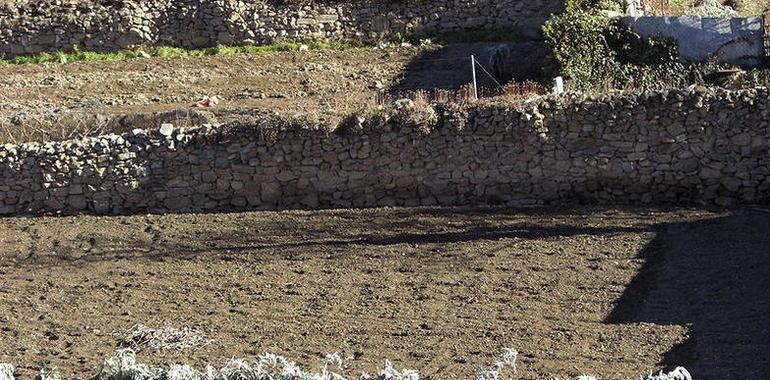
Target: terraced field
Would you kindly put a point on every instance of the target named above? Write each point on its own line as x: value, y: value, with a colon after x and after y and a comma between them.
x: 608, y: 292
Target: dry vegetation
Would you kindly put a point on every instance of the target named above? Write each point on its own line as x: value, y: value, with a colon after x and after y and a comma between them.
x: 676, y: 7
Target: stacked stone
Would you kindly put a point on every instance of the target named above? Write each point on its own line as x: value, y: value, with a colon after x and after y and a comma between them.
x: 53, y: 26
x: 675, y: 147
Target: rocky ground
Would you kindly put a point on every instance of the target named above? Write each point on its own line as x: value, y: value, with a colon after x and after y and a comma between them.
x: 607, y: 292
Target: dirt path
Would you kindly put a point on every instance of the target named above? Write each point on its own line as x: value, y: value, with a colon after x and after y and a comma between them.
x: 434, y: 289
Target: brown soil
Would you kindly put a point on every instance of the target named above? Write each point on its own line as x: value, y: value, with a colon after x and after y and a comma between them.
x: 324, y: 81
x: 609, y: 292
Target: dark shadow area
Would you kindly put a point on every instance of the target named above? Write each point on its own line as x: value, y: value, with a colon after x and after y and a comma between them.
x: 221, y: 243
x: 449, y: 67
x: 711, y: 276
x: 464, y: 236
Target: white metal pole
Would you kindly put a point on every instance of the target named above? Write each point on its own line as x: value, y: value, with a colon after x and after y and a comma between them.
x: 558, y: 85
x: 475, y: 85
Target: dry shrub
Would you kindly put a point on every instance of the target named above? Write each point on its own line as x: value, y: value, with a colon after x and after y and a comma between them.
x: 123, y: 366
x: 463, y: 96
x: 523, y: 89
x: 167, y: 338
x: 418, y: 114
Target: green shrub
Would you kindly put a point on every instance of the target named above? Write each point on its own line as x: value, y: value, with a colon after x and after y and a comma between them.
x: 596, y: 52
x: 579, y: 47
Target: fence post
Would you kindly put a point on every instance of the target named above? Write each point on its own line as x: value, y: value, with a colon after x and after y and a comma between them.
x: 475, y: 85
x: 558, y: 85
x: 766, y: 38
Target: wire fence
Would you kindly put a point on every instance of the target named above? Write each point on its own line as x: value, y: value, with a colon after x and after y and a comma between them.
x: 465, y: 93
x: 766, y: 37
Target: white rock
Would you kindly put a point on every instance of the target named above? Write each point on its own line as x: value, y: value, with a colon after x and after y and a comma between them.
x: 166, y: 129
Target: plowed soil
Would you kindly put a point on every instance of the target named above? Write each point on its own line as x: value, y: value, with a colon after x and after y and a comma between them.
x: 608, y: 292
x: 329, y: 81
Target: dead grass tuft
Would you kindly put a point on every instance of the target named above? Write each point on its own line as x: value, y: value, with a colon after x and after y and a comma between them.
x: 140, y: 337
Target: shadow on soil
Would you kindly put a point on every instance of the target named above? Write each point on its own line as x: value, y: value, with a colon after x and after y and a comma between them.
x: 221, y: 242
x: 449, y: 67
x: 711, y: 276
x: 468, y: 235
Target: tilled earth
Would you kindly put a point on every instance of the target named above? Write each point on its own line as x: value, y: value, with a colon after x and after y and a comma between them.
x: 608, y: 292
x: 47, y: 101
x: 285, y: 79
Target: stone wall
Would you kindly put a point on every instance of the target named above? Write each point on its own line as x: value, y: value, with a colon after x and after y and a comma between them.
x: 51, y: 25
x: 697, y: 147
x: 732, y: 40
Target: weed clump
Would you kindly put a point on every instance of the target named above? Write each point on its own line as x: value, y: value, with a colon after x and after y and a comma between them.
x: 123, y: 366
x: 679, y: 373
x: 506, y: 360
x: 166, y: 338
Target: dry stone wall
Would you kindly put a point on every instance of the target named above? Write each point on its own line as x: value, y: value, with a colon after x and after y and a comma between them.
x: 50, y: 25
x: 696, y: 147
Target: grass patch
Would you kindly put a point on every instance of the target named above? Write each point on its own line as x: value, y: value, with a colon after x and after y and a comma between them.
x: 469, y: 36
x: 166, y: 51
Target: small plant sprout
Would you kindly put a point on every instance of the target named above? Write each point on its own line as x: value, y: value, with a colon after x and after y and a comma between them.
x: 679, y: 373
x: 48, y: 374
x: 234, y: 369
x: 506, y: 360
x: 6, y: 372
x: 183, y: 372
x: 332, y: 360
x: 123, y: 366
x: 391, y: 373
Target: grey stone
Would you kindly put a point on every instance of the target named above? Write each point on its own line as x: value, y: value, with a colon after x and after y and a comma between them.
x: 271, y: 192
x: 77, y: 202
x: 166, y: 129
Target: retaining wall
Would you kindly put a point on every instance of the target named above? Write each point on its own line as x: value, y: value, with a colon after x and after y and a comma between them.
x: 736, y: 40
x: 52, y: 25
x: 673, y: 147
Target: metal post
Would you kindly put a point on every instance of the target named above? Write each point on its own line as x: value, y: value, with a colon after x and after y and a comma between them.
x: 766, y: 37
x: 475, y: 85
x: 558, y: 85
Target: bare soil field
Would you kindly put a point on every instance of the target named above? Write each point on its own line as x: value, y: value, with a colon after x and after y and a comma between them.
x: 328, y: 81
x: 601, y: 291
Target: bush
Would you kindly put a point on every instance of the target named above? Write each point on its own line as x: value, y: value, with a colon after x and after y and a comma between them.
x: 579, y: 46
x: 596, y: 52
